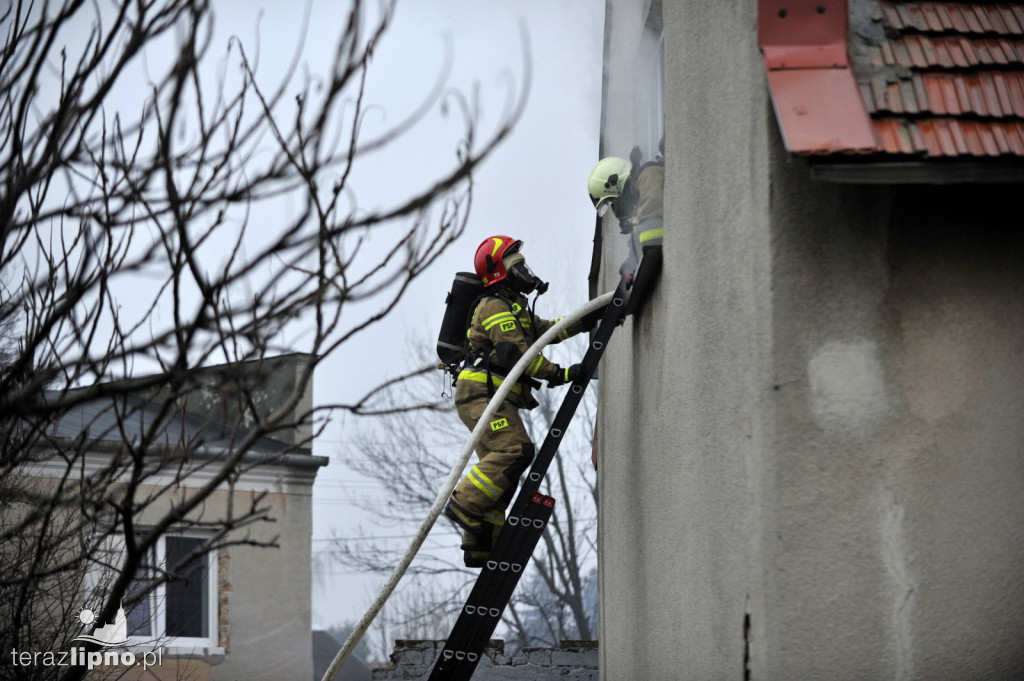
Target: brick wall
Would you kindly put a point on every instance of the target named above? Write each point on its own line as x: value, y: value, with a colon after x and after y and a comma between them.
x: 224, y: 594
x: 570, y: 661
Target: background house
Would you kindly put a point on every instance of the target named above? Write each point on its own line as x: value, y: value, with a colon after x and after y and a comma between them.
x: 826, y: 481
x: 243, y: 611
x: 325, y: 648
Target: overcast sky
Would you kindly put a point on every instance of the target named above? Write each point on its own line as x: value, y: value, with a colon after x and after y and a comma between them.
x: 532, y: 188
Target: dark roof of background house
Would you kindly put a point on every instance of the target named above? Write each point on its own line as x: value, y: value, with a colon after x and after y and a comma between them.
x: 212, y: 413
x: 325, y: 647
x: 129, y: 417
x: 919, y: 81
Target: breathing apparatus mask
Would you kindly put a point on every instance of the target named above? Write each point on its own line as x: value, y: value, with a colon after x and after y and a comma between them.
x: 521, y: 277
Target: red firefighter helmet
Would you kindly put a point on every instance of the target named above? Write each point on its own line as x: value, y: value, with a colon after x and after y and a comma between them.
x: 489, y: 260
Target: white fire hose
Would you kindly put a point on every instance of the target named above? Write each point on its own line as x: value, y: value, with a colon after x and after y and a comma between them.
x: 454, y: 476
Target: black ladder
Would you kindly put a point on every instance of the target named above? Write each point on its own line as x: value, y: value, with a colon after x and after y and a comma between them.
x: 524, y: 526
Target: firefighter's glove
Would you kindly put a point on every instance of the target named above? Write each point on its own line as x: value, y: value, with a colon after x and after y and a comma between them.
x: 574, y: 373
x: 635, y: 156
x: 589, y: 320
x: 577, y: 372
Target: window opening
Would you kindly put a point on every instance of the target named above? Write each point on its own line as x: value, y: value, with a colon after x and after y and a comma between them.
x: 140, y: 616
x: 187, y: 599
x: 180, y: 612
x: 649, y: 97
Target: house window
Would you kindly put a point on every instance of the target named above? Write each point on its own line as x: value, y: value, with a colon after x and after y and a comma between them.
x: 188, y: 600
x: 181, y: 612
x: 649, y: 95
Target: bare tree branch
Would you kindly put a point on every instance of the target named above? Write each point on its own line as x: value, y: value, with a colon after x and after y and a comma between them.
x: 135, y: 254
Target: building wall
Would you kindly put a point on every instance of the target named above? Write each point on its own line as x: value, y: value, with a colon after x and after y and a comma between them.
x: 270, y: 612
x: 676, y: 518
x: 264, y: 592
x: 826, y: 479
x: 899, y: 449
x: 265, y: 608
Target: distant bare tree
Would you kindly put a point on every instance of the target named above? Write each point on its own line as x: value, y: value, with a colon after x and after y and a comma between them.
x: 118, y: 187
x: 559, y: 601
x: 409, y: 454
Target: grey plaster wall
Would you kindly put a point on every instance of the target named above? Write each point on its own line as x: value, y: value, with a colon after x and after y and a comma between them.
x: 229, y: 393
x: 812, y: 451
x: 684, y: 386
x: 899, y: 360
x: 270, y: 611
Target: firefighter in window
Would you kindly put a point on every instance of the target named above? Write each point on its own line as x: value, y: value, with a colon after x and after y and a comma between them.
x: 635, y: 193
x: 501, y: 329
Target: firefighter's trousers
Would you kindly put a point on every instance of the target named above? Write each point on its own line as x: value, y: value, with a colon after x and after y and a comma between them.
x: 505, y: 451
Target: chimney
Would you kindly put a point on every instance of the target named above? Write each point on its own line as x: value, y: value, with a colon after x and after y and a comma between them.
x: 229, y: 393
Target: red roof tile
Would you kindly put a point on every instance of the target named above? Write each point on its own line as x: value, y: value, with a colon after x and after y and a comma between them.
x: 961, y: 17
x: 952, y: 74
x: 945, y: 137
x: 938, y: 79
x: 946, y: 51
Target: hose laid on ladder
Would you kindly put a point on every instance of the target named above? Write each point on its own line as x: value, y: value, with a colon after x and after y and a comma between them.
x: 455, y: 475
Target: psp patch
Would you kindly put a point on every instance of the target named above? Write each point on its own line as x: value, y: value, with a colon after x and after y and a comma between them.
x: 499, y: 424
x: 508, y: 326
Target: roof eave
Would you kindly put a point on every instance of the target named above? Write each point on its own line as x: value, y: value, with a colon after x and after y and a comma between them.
x: 831, y: 169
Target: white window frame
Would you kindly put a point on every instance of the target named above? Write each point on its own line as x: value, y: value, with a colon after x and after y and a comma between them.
x: 157, y: 600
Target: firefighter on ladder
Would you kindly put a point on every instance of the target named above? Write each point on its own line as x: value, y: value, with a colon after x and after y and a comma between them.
x: 501, y: 329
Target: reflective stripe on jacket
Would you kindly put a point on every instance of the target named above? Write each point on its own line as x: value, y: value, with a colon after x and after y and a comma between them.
x: 470, y: 374
x: 650, y: 186
x: 499, y: 320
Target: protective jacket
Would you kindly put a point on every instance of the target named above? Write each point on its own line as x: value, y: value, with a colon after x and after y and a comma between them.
x: 650, y: 187
x: 643, y: 214
x: 501, y: 331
